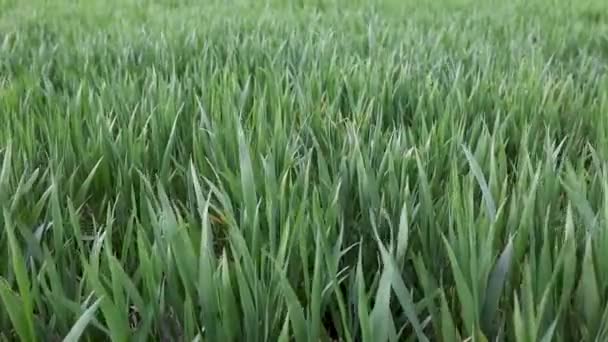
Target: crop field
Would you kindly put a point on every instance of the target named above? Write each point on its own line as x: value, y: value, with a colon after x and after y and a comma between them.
x: 303, y: 170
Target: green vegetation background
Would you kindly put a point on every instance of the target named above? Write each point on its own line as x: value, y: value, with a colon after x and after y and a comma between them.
x: 304, y: 170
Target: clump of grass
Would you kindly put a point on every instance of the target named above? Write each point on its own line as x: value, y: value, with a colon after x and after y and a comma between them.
x: 303, y: 171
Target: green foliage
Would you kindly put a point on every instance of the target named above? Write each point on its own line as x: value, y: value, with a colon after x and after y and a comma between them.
x: 303, y: 170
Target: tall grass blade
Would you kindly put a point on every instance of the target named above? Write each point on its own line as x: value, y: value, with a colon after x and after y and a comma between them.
x: 496, y: 283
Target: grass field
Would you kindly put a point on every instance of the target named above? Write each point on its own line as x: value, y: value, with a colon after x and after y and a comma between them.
x: 305, y: 170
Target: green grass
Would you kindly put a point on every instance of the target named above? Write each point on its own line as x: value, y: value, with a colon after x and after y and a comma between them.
x: 304, y: 170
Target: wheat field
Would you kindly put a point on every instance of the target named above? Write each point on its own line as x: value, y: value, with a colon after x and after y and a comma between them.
x: 303, y: 170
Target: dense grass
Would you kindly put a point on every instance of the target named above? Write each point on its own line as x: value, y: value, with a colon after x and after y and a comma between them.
x: 304, y: 170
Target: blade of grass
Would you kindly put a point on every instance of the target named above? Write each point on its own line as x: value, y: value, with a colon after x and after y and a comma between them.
x: 82, y: 322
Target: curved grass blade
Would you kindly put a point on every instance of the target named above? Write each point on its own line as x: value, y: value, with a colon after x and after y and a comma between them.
x: 485, y: 190
x: 82, y: 322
